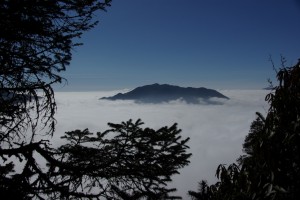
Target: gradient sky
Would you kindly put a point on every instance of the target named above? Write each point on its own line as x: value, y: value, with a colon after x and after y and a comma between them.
x: 219, y: 44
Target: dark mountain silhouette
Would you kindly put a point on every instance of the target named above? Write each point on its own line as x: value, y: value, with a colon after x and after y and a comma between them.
x: 157, y: 93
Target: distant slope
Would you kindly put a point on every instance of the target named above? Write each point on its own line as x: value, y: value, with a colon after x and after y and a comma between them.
x: 157, y: 93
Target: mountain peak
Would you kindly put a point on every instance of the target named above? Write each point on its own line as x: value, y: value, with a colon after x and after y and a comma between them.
x: 158, y: 93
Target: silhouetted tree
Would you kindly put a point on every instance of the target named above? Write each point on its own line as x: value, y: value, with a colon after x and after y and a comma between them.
x: 125, y: 162
x: 270, y: 169
x: 204, y: 192
x: 36, y: 39
x: 232, y: 184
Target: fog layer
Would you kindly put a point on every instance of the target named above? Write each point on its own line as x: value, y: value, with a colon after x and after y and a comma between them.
x: 216, y: 131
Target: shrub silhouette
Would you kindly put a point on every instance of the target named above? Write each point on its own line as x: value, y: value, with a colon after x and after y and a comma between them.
x: 270, y: 169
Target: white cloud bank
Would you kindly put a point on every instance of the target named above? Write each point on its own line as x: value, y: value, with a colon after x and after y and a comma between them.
x: 216, y: 131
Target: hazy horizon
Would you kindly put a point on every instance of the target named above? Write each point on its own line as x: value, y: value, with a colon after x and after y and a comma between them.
x: 98, y: 88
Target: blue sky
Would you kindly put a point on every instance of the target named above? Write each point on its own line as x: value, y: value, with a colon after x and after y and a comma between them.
x: 219, y: 44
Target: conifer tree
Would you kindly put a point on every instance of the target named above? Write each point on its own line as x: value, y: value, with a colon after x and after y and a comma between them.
x: 124, y: 162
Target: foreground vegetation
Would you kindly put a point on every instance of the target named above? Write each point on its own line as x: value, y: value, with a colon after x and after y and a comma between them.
x: 124, y: 162
x: 270, y: 168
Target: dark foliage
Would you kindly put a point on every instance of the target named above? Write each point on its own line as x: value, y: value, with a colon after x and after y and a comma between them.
x: 204, y: 192
x: 270, y: 169
x: 124, y: 162
x: 36, y: 39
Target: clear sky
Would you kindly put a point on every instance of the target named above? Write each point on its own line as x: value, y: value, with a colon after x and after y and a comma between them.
x: 218, y: 44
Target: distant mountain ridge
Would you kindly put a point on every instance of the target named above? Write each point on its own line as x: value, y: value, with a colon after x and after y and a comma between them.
x: 158, y: 93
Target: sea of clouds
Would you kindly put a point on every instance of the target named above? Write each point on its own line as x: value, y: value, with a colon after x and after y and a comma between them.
x: 216, y: 131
